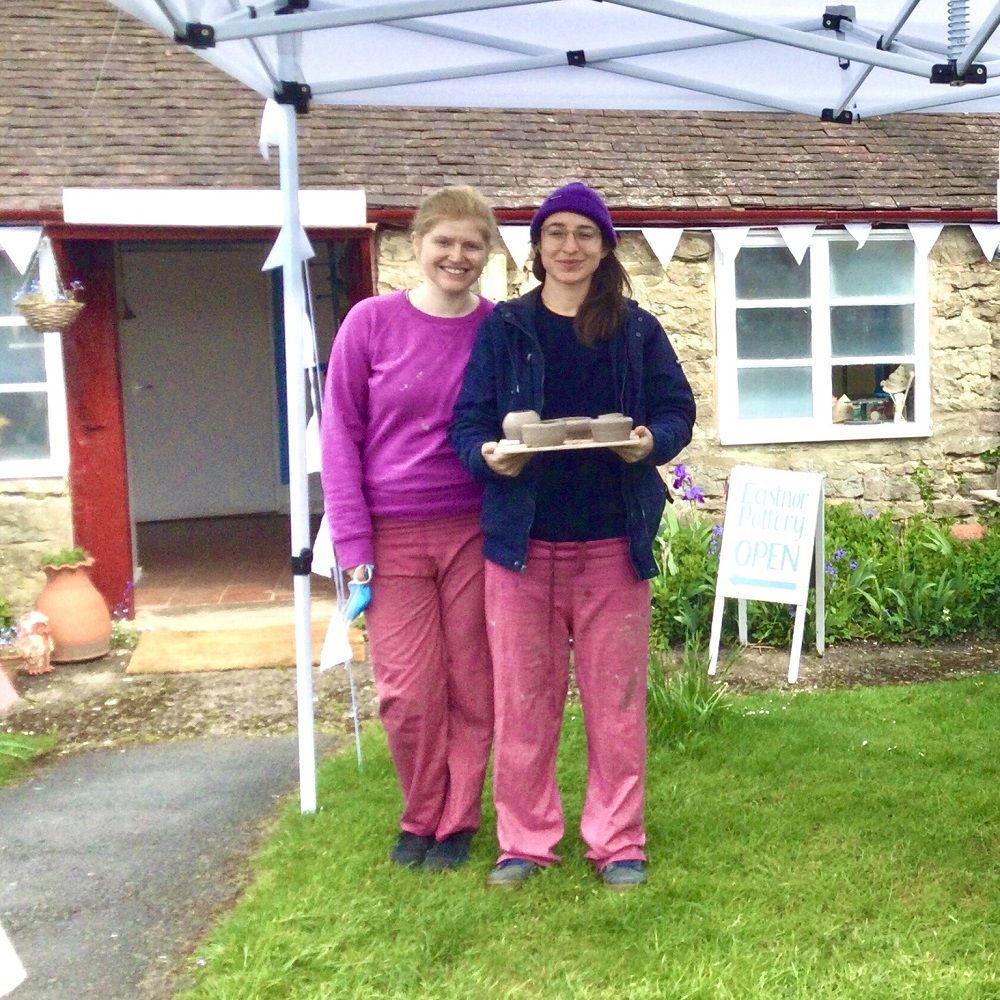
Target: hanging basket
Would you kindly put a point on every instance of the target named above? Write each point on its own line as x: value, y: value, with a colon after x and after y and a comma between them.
x: 45, y: 315
x: 44, y: 300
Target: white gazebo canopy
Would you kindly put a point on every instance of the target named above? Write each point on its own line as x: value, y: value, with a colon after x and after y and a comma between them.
x: 870, y: 58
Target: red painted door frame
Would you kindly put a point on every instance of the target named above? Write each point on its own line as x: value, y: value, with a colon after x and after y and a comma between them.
x: 98, y: 477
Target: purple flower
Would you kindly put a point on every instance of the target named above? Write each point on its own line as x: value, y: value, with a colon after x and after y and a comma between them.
x: 713, y: 546
x: 854, y: 564
x: 870, y: 514
x: 831, y: 570
x: 680, y: 476
x: 693, y: 493
x: 839, y: 554
x: 717, y: 530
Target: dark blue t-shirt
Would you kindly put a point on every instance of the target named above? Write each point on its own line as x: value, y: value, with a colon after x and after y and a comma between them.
x: 580, y: 495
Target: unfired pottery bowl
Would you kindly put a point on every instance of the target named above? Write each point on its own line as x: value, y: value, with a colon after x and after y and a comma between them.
x: 515, y: 420
x: 544, y: 435
x: 608, y: 428
x: 577, y: 427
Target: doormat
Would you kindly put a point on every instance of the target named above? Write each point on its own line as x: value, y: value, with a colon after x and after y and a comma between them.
x: 165, y: 651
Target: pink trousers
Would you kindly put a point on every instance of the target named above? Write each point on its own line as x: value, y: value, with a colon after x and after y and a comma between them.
x: 432, y: 668
x: 583, y: 594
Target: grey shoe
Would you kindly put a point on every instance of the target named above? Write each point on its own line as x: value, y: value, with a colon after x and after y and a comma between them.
x: 511, y: 873
x: 411, y: 849
x: 624, y: 874
x: 452, y: 852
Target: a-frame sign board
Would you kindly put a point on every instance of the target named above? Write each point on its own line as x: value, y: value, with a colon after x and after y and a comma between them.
x: 773, y: 525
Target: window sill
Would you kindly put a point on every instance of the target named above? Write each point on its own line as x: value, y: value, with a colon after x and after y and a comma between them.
x: 779, y: 432
x: 36, y: 469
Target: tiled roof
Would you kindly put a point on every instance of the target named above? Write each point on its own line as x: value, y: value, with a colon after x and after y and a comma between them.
x: 93, y: 98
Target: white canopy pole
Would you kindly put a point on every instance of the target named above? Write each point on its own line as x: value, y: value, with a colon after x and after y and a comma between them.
x: 298, y: 479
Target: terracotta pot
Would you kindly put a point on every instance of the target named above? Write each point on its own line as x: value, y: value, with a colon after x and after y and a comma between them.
x: 79, y: 620
x: 967, y: 532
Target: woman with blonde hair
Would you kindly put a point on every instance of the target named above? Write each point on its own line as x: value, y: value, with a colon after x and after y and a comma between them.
x: 398, y: 500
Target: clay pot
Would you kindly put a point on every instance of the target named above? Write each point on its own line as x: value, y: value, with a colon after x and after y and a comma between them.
x: 611, y: 428
x: 515, y: 420
x: 967, y: 532
x: 577, y: 428
x: 544, y: 435
x: 79, y: 620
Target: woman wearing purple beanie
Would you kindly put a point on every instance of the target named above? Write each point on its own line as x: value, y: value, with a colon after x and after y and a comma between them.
x: 568, y: 536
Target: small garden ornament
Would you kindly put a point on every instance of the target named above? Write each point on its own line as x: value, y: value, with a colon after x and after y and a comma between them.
x: 34, y: 642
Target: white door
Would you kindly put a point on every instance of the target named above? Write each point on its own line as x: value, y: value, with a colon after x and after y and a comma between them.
x: 198, y: 380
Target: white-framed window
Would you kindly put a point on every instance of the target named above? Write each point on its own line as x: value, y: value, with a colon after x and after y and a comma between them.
x: 33, y: 434
x: 804, y: 349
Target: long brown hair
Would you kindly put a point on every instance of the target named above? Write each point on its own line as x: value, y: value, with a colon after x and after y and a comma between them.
x: 601, y: 316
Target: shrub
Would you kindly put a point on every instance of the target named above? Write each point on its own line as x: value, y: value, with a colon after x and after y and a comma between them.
x: 883, y: 580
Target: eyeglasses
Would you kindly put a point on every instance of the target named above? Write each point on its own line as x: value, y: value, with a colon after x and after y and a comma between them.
x: 583, y: 236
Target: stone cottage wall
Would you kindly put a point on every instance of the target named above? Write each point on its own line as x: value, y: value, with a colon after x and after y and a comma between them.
x: 35, y: 517
x: 876, y: 475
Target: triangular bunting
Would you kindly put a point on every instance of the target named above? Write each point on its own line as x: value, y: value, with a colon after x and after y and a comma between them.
x: 301, y: 249
x: 729, y: 241
x: 663, y: 243
x: 271, y: 125
x: 925, y: 235
x: 797, y: 239
x: 860, y: 231
x: 20, y: 243
x: 517, y: 240
x: 323, y: 561
x: 988, y: 237
x: 314, y: 449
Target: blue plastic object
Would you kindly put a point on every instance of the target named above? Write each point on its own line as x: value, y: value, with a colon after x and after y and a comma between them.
x: 359, y: 597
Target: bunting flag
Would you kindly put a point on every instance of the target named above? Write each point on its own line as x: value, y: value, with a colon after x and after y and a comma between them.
x: 988, y: 237
x: 517, y: 240
x: 323, y: 561
x: 925, y: 235
x: 663, y: 243
x: 301, y: 248
x: 797, y: 239
x: 270, y: 128
x: 860, y: 231
x: 314, y: 449
x: 20, y: 244
x: 730, y: 240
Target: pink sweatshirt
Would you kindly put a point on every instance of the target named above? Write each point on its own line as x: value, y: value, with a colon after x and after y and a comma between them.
x: 393, y: 378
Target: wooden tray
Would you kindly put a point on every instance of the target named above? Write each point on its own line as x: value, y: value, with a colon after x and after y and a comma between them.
x: 509, y: 447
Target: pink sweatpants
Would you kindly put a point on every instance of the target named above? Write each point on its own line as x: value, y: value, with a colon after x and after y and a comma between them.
x: 587, y: 594
x: 432, y: 668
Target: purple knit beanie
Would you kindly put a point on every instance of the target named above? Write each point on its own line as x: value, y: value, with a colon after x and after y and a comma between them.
x: 579, y: 198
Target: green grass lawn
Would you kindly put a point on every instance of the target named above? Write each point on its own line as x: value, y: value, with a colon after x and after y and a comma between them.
x: 18, y: 750
x: 831, y: 845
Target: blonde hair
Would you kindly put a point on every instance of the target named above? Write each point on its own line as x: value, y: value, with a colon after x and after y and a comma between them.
x: 460, y: 201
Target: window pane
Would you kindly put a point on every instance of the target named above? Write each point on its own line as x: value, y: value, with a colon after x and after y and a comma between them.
x: 770, y: 393
x: 771, y: 273
x: 22, y: 355
x: 763, y: 334
x: 24, y: 425
x: 865, y: 330
x: 10, y: 284
x: 878, y: 268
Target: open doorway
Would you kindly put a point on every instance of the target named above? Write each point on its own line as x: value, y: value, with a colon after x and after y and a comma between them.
x: 202, y: 373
